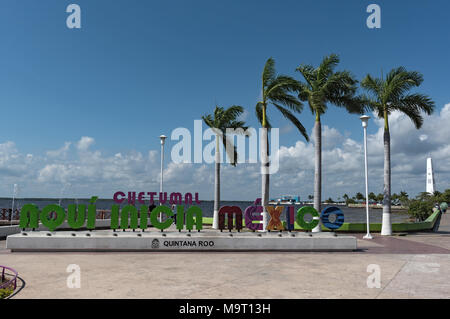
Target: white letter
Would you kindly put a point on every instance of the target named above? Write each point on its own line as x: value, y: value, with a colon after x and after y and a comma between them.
x: 74, y: 279
x: 184, y: 145
x: 374, y: 280
x: 374, y: 20
x: 198, y: 142
x: 208, y: 154
x: 240, y: 145
x: 269, y: 164
x: 274, y: 150
x: 73, y: 20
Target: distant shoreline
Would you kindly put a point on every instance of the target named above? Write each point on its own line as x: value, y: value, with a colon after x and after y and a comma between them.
x: 377, y: 206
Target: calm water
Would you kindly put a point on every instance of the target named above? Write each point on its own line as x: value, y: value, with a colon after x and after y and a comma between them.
x: 352, y: 215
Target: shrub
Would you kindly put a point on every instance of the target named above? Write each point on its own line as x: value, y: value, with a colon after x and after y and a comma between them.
x: 421, y: 209
x: 5, y: 292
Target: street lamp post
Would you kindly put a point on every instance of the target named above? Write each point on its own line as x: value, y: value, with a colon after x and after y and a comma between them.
x: 365, y: 121
x: 163, y: 139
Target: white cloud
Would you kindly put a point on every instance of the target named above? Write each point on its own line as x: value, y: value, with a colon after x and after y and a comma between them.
x: 62, y: 152
x: 84, y: 143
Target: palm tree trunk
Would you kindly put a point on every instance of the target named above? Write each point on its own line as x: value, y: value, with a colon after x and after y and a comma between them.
x: 386, y: 227
x: 318, y: 170
x: 265, y: 175
x: 216, y: 186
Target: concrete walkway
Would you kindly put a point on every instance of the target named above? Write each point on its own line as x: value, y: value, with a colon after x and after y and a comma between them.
x: 411, y: 266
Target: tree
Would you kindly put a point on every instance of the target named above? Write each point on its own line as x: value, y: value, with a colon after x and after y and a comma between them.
x: 277, y: 91
x: 386, y: 96
x: 446, y: 196
x: 219, y: 121
x: 372, y: 196
x: 348, y: 200
x: 403, y: 197
x: 423, y: 196
x: 322, y: 86
x: 420, y: 210
x: 359, y: 196
x: 380, y: 197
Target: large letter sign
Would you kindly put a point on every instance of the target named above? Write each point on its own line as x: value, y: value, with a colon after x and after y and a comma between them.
x: 130, y: 218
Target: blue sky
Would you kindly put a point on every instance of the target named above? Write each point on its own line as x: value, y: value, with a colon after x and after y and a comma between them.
x: 137, y: 69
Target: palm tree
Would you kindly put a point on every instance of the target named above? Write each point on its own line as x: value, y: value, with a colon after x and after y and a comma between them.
x: 388, y: 95
x: 219, y: 122
x: 322, y: 86
x: 276, y: 91
x: 359, y: 196
x: 403, y: 197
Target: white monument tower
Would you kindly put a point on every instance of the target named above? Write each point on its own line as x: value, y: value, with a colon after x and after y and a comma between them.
x: 430, y: 176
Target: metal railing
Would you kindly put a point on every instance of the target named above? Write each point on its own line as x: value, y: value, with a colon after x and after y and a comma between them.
x: 5, y: 214
x: 9, y: 278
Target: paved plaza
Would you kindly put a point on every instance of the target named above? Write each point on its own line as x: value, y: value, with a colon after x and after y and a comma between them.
x: 411, y: 266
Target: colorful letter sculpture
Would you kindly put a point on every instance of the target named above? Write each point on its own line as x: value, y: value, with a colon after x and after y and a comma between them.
x: 230, y: 211
x: 130, y: 218
x: 50, y: 223
x: 325, y: 217
x: 253, y: 213
x: 301, y: 217
x: 290, y: 218
x: 275, y: 222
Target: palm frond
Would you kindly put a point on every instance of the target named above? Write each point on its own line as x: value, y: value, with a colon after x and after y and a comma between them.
x: 420, y: 101
x: 326, y: 67
x: 413, y: 105
x: 288, y: 115
x: 269, y: 71
x: 373, y: 85
x: 308, y: 72
x: 208, y: 120
x: 288, y: 100
x: 231, y: 113
x: 399, y: 81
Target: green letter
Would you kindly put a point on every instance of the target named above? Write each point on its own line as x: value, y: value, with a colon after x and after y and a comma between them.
x: 190, y: 219
x: 301, y: 217
x: 180, y: 217
x: 115, y: 216
x: 154, y: 217
x: 76, y: 220
x: 51, y: 224
x: 124, y: 215
x: 33, y: 221
x: 92, y: 213
x: 144, y: 215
